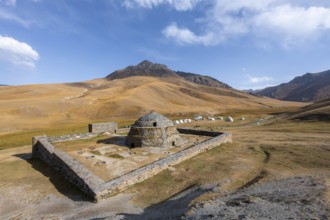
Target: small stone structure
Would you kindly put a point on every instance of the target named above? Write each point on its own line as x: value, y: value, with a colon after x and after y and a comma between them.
x: 153, y: 130
x: 98, y: 189
x: 103, y: 127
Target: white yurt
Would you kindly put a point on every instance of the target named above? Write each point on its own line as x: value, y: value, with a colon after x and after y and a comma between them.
x: 229, y: 119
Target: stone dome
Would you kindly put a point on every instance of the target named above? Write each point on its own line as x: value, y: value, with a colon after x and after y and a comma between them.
x: 153, y: 119
x: 153, y: 130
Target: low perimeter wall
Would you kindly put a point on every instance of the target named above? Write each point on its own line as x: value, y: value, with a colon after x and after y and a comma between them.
x: 145, y: 172
x: 98, y: 189
x: 72, y: 170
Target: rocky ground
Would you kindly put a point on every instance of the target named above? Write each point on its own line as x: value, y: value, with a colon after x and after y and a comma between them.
x: 292, y: 198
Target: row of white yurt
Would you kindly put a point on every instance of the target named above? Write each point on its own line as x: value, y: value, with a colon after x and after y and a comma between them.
x: 182, y: 121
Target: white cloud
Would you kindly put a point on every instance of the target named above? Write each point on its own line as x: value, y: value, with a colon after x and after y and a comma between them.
x: 294, y: 22
x: 256, y: 82
x: 180, y: 5
x: 9, y: 2
x: 285, y: 22
x: 16, y: 52
x: 185, y: 36
x: 12, y: 17
x: 260, y: 79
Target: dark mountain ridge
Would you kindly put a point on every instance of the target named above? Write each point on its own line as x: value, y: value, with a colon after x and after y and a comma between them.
x: 203, y: 80
x: 305, y: 88
x: 147, y: 68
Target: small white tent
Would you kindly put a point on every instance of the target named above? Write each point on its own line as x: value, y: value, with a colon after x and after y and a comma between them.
x: 229, y: 119
x: 198, y: 117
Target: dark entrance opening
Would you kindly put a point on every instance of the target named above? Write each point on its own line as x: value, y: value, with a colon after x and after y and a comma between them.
x: 115, y: 131
x: 132, y: 145
x: 155, y: 124
x: 173, y: 143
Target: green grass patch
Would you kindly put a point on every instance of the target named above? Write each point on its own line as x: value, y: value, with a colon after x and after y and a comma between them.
x: 116, y: 156
x: 22, y: 138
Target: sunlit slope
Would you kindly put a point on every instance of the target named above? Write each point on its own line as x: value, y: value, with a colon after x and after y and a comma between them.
x: 34, y: 106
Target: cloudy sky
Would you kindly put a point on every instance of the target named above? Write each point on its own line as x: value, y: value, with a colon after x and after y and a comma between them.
x: 245, y: 43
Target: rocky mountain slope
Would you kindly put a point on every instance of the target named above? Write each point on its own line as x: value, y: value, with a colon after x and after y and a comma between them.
x: 202, y: 80
x: 309, y: 87
x: 147, y: 68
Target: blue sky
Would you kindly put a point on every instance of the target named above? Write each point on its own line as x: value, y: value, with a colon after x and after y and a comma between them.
x: 245, y: 43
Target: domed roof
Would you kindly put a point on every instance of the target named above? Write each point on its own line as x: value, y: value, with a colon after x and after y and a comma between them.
x: 153, y: 119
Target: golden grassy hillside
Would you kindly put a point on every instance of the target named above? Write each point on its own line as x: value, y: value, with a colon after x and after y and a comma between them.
x: 57, y: 107
x: 38, y: 106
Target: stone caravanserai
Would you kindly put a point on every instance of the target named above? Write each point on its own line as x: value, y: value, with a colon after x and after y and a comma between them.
x: 151, y: 130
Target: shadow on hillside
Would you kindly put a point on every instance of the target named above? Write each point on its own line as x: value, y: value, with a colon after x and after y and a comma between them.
x: 55, y: 178
x: 173, y: 208
x: 313, y: 117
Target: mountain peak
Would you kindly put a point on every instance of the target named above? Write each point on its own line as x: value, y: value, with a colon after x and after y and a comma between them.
x: 146, y: 65
x: 147, y: 68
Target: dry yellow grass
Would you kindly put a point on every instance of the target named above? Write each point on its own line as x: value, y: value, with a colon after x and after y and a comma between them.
x: 33, y: 106
x: 31, y: 109
x: 276, y: 149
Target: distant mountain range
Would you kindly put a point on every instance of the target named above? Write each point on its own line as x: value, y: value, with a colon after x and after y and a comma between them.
x: 309, y: 87
x: 147, y: 68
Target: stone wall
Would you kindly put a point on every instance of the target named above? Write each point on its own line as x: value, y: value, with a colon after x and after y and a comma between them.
x: 103, y: 127
x: 71, y: 169
x: 70, y: 137
x: 98, y: 189
x: 156, y: 167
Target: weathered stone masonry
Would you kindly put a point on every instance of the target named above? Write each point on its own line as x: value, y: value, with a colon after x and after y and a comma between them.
x: 71, y: 169
x: 98, y: 189
x: 103, y: 127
